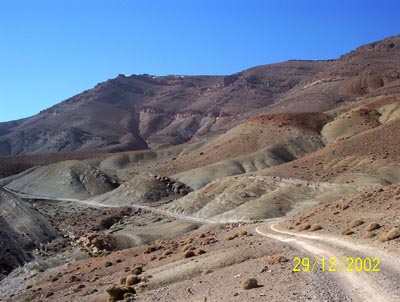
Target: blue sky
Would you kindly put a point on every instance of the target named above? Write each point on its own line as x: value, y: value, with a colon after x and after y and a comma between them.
x: 51, y: 50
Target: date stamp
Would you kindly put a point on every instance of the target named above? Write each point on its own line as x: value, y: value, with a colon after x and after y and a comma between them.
x: 335, y: 265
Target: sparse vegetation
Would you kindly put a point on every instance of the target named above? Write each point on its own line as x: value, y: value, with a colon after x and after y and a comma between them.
x: 277, y: 259
x: 255, y: 168
x: 249, y: 284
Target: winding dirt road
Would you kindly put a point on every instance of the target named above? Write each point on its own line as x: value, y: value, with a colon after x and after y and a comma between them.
x: 383, y: 286
x: 359, y: 286
x: 88, y: 202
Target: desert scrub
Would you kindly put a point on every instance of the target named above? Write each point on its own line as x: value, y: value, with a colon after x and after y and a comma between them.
x: 249, y: 284
x: 277, y: 259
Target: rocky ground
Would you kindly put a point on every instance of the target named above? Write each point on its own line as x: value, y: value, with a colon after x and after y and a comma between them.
x: 178, y: 260
x: 179, y: 223
x: 371, y: 217
x: 209, y: 263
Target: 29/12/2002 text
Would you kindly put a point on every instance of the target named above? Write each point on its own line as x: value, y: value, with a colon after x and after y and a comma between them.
x: 334, y: 265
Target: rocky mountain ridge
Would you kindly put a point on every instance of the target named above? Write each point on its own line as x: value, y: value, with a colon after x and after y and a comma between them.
x: 144, y: 111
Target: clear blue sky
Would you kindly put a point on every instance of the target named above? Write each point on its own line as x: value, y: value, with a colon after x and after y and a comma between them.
x: 51, y: 50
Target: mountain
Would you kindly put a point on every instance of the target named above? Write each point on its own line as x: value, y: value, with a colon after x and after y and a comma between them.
x: 143, y: 111
x: 243, y: 172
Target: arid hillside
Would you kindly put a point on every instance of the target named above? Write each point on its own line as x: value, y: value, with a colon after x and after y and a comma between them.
x: 134, y: 112
x: 206, y: 188
x: 22, y: 230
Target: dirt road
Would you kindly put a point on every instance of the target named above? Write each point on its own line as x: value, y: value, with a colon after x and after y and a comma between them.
x: 359, y: 286
x: 92, y: 204
x: 356, y: 286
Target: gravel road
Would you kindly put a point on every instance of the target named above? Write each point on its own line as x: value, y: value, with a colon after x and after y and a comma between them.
x: 347, y: 286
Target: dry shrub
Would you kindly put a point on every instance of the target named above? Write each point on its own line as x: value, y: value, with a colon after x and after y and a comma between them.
x: 249, y: 284
x: 277, y: 259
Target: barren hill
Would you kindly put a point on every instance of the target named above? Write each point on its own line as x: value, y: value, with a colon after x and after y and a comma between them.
x: 22, y: 230
x: 144, y: 111
x: 181, y: 188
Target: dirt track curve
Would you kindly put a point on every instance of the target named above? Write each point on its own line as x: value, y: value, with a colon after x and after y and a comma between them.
x: 359, y: 286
